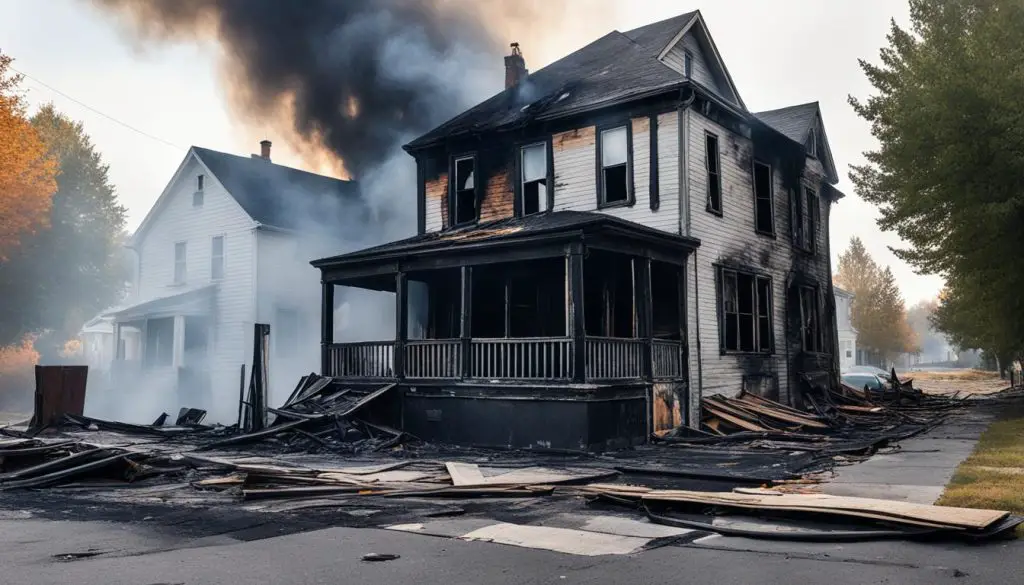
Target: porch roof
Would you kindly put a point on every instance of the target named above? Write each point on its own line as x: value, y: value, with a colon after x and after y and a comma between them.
x: 464, y: 245
x: 196, y: 301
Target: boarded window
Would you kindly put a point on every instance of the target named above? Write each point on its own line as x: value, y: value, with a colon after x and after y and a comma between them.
x: 746, y: 312
x: 713, y: 163
x: 615, y: 165
x: 465, y: 191
x: 764, y: 219
x: 217, y: 258
x: 179, y: 262
x: 809, y: 319
x: 534, y: 164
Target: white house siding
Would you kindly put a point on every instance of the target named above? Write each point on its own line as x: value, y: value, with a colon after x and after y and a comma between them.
x: 702, y: 71
x: 731, y: 238
x: 575, y: 162
x: 179, y: 221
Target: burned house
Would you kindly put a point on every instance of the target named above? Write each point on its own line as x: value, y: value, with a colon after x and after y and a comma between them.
x: 601, y: 244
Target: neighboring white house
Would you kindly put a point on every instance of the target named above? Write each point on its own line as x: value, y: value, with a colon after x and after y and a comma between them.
x: 227, y: 245
x: 844, y: 327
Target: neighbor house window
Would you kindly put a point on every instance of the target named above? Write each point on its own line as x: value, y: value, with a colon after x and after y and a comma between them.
x: 764, y: 218
x: 687, y: 65
x: 614, y: 160
x: 745, y: 312
x: 464, y: 193
x: 179, y: 263
x: 714, y: 167
x: 285, y: 329
x: 197, y: 196
x: 217, y: 258
x: 810, y: 329
x: 534, y: 178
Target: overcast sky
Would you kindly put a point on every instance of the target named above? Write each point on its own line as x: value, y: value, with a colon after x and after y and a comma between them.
x: 780, y: 53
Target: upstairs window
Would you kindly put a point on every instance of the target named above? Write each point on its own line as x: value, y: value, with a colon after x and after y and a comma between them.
x: 179, y: 263
x: 764, y: 218
x: 533, y: 161
x: 614, y: 159
x: 464, y: 192
x: 812, y: 143
x: 712, y: 161
x: 810, y: 329
x: 745, y: 311
x: 688, y: 65
x: 217, y: 258
x: 810, y: 219
x: 197, y: 195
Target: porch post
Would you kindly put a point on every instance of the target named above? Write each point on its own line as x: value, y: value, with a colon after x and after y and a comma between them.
x: 401, y: 322
x: 178, y: 351
x: 577, y: 327
x: 118, y: 354
x: 644, y: 312
x: 465, y: 331
x: 326, y: 327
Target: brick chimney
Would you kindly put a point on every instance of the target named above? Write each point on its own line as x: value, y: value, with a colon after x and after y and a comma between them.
x: 515, y: 67
x: 265, y: 149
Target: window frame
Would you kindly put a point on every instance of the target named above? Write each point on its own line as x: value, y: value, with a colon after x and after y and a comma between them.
x: 630, y: 199
x: 756, y: 280
x: 717, y: 174
x: 520, y: 192
x: 453, y: 190
x: 214, y: 257
x: 819, y: 340
x: 812, y: 143
x: 184, y: 263
x: 687, y: 64
x: 758, y: 199
x: 199, y: 195
x: 810, y: 202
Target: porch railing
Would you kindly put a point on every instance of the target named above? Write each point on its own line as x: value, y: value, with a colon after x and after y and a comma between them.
x: 612, y: 358
x: 521, y: 359
x: 364, y: 359
x: 433, y: 358
x: 667, y: 359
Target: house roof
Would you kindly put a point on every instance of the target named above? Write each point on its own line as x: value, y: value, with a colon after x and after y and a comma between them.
x: 504, y: 230
x: 614, y: 68
x: 275, y: 195
x: 795, y: 123
x: 191, y: 301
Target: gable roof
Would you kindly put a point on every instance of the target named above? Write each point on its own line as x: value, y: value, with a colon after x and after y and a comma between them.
x: 614, y: 68
x: 795, y: 123
x: 275, y: 195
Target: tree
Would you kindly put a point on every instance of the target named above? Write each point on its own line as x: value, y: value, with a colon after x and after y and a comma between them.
x: 949, y: 121
x: 62, y: 276
x: 26, y: 172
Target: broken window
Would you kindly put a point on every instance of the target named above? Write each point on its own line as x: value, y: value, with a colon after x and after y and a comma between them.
x: 614, y: 150
x: 217, y: 258
x: 534, y: 164
x: 197, y: 196
x: 465, y: 190
x: 764, y: 219
x: 179, y: 263
x: 713, y: 163
x: 809, y: 323
x: 519, y: 300
x: 746, y: 312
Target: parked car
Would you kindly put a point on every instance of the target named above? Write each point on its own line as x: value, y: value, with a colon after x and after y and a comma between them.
x: 864, y: 380
x: 871, y: 370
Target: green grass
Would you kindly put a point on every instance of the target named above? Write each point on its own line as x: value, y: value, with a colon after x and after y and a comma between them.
x: 993, y: 476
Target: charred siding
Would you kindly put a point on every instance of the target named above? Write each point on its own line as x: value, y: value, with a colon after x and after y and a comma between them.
x: 499, y: 196
x: 436, y: 192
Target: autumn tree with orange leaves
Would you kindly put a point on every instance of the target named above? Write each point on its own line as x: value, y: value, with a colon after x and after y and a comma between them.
x: 27, y: 172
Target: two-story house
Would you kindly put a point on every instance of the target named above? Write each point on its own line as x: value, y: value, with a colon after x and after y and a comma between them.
x: 601, y: 244
x: 845, y: 333
x: 226, y: 245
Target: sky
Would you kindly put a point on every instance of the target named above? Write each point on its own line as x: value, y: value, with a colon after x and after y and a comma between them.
x: 145, y: 104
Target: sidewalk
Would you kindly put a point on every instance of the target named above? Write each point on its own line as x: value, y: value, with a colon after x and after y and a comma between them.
x: 919, y: 471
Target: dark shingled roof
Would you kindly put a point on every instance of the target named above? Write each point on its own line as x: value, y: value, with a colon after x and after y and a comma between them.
x: 503, y: 230
x: 793, y: 122
x: 611, y: 69
x: 280, y: 196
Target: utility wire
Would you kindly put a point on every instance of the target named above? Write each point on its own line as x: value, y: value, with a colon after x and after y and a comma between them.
x: 97, y: 112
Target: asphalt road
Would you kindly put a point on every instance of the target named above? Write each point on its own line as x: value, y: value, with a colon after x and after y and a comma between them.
x: 45, y: 552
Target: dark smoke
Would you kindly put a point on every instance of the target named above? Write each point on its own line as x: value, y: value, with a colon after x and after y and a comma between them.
x: 357, y: 77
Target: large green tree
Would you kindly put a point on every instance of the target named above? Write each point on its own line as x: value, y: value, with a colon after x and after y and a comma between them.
x: 949, y: 119
x: 63, y: 275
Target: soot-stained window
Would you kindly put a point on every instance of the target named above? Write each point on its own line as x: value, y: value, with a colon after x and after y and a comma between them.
x: 534, y: 177
x: 614, y: 148
x: 714, y: 167
x: 810, y: 323
x: 764, y: 218
x: 464, y: 194
x: 745, y: 312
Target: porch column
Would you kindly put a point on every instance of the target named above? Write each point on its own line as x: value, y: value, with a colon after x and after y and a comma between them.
x: 401, y: 322
x: 326, y: 327
x: 577, y: 326
x: 465, y: 330
x: 644, y: 312
x: 118, y: 354
x: 178, y: 354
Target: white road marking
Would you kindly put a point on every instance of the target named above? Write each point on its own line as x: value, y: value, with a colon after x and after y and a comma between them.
x: 564, y: 540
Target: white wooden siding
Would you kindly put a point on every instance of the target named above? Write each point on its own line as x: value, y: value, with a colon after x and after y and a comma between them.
x: 702, y: 71
x: 179, y: 221
x: 731, y: 237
